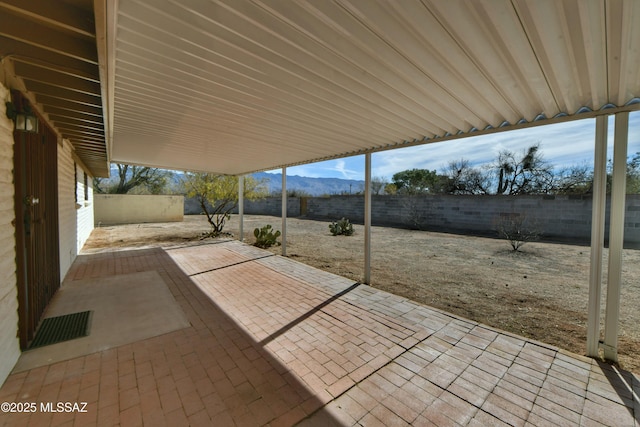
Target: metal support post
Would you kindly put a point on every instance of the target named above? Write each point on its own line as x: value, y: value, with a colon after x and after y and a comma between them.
x: 598, y: 211
x: 367, y: 218
x: 241, y: 206
x: 284, y: 212
x: 616, y: 236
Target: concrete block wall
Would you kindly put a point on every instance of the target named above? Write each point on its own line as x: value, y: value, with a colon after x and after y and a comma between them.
x: 267, y: 206
x: 272, y: 206
x: 336, y: 207
x: 557, y: 217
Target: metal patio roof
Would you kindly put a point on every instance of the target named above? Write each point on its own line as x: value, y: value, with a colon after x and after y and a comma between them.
x: 234, y: 86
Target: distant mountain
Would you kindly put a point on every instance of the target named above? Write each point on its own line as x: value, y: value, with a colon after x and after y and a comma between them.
x: 312, y: 186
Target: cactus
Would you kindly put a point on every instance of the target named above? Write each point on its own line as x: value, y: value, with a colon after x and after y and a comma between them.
x: 341, y: 227
x: 265, y: 237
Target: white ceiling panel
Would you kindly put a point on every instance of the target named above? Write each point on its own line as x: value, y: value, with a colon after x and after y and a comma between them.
x: 234, y: 86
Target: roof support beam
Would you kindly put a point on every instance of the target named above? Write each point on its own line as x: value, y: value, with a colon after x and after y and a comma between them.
x: 73, y: 114
x: 28, y: 54
x: 84, y: 125
x: 616, y: 236
x: 598, y: 211
x: 79, y: 119
x: 37, y: 34
x: 57, y: 78
x: 57, y: 14
x: 67, y: 104
x: 58, y: 92
x: 78, y: 86
x: 70, y: 131
x: 105, y: 13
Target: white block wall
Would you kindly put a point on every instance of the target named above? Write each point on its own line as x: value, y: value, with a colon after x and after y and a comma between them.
x: 84, y: 214
x: 75, y: 213
x: 9, y: 344
x: 137, y: 208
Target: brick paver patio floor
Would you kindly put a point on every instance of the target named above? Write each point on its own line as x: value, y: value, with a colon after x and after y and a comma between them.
x: 275, y: 342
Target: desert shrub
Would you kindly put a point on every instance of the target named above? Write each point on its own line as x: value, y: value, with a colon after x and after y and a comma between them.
x: 415, y: 215
x: 342, y: 227
x: 266, y: 237
x: 517, y: 229
x: 217, y: 195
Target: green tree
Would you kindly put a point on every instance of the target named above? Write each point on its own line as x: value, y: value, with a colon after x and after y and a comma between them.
x: 218, y: 195
x: 135, y: 179
x: 415, y: 181
x: 390, y: 189
x: 633, y: 174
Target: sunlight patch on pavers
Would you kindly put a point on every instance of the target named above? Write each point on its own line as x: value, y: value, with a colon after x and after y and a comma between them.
x: 369, y: 352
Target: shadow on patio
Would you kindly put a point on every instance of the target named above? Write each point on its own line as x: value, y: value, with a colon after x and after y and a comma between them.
x: 270, y: 341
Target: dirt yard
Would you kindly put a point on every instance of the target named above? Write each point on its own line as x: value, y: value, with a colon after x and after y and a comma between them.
x: 540, y: 292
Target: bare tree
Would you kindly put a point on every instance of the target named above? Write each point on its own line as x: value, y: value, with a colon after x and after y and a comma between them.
x: 150, y: 180
x: 575, y: 179
x: 526, y: 174
x: 462, y: 178
x: 377, y: 184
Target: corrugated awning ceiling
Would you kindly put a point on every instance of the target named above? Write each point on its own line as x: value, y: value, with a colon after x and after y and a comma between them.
x: 233, y: 86
x: 236, y: 86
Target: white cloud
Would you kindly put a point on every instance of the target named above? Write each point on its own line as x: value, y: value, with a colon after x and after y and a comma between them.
x: 340, y: 167
x: 346, y: 168
x: 562, y: 144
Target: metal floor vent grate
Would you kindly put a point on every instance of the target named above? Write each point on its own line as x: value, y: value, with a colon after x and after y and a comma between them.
x: 62, y: 328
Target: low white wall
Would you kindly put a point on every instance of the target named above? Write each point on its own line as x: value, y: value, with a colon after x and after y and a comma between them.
x: 112, y: 209
x: 9, y: 344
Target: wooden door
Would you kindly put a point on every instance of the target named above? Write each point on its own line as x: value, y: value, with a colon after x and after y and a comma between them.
x: 37, y: 236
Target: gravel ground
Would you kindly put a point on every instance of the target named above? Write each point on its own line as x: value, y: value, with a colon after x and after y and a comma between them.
x: 540, y: 292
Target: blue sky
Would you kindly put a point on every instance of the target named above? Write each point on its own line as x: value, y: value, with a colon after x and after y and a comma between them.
x: 562, y: 144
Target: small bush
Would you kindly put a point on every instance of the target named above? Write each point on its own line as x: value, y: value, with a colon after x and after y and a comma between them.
x: 517, y: 230
x: 265, y: 237
x: 415, y: 212
x: 341, y: 227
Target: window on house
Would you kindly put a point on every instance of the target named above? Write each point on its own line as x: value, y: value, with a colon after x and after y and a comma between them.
x: 75, y: 182
x: 86, y: 187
